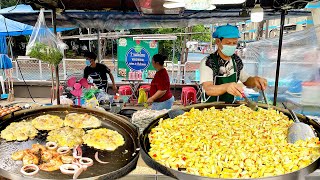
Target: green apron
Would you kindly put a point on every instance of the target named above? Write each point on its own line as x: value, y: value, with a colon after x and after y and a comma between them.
x: 228, y: 98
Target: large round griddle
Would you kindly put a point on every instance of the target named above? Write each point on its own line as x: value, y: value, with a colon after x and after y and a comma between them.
x: 121, y: 161
x: 145, y: 146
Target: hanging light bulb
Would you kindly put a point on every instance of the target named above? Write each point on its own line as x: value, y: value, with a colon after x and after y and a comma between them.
x: 257, y: 13
x: 227, y: 1
x: 170, y: 5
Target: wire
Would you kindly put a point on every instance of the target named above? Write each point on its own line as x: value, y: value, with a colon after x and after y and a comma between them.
x: 64, y: 7
x: 15, y: 6
x: 288, y: 4
x: 10, y: 43
x: 25, y: 82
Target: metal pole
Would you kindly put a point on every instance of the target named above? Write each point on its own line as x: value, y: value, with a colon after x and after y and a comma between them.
x: 99, y: 47
x: 211, y: 31
x: 40, y: 69
x: 172, y: 62
x: 89, y: 33
x: 54, y: 22
x: 283, y: 14
x: 267, y: 29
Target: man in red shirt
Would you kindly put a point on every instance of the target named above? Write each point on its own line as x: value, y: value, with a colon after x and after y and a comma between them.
x: 160, y: 94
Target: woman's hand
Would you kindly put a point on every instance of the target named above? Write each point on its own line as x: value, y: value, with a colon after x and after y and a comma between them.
x: 150, y: 101
x: 115, y: 89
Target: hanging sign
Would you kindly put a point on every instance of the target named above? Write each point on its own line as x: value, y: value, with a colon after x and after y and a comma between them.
x: 135, y: 56
x: 138, y: 60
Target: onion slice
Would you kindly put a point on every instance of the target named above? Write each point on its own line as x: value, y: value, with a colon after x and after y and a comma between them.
x: 69, y: 168
x: 96, y: 156
x: 52, y: 145
x: 29, y: 169
x: 63, y: 150
x: 77, y: 173
x: 86, y: 161
x: 77, y: 152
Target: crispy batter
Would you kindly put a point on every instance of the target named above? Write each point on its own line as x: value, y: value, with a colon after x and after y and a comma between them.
x: 103, y: 139
x: 47, y: 122
x: 76, y: 120
x: 66, y: 136
x: 20, y: 131
x: 52, y: 165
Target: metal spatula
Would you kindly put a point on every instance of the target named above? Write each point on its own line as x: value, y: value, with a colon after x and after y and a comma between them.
x: 175, y: 113
x: 250, y: 103
x: 298, y: 130
x: 265, y: 98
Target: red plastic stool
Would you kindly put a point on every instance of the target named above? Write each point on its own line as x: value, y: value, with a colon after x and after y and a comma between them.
x: 125, y: 87
x: 146, y: 88
x: 125, y: 90
x: 188, y: 95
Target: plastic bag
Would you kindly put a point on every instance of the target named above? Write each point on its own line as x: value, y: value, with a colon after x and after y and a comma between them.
x: 142, y: 96
x: 43, y: 44
x: 63, y: 100
x: 91, y: 103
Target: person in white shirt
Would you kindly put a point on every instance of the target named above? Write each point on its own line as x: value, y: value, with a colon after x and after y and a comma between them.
x: 220, y: 71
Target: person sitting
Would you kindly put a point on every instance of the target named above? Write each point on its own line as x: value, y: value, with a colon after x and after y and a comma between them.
x: 160, y: 94
x: 98, y: 72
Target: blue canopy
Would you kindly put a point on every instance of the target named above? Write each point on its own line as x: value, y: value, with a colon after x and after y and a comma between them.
x: 3, y: 45
x: 9, y: 27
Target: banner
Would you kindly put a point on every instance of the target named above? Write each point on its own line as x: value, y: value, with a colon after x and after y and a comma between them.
x: 135, y: 56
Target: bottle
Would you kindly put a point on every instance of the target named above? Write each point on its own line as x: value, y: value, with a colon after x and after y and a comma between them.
x: 90, y: 80
x: 139, y: 75
x: 130, y: 75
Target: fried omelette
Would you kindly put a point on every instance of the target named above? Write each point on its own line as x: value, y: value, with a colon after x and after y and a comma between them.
x: 76, y: 120
x: 103, y: 139
x: 66, y: 136
x: 47, y: 122
x: 19, y: 131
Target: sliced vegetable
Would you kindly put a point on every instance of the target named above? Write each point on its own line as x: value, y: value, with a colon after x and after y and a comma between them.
x: 86, y: 161
x: 63, y: 150
x: 52, y: 145
x: 77, y: 152
x: 69, y: 168
x: 96, y: 156
x: 29, y: 169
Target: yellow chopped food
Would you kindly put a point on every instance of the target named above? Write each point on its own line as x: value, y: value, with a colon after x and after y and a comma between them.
x: 103, y: 139
x: 20, y: 131
x: 47, y: 122
x: 66, y: 136
x: 234, y: 142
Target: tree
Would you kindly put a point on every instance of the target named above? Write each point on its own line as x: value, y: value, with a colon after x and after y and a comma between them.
x: 165, y: 47
x: 8, y: 3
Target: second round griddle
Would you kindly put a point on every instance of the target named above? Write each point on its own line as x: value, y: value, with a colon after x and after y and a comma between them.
x: 121, y: 161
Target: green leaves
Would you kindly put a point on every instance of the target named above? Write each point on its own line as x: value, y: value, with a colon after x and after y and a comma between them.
x: 46, y: 53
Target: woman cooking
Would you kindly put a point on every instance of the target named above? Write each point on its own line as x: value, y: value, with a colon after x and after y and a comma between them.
x: 160, y: 94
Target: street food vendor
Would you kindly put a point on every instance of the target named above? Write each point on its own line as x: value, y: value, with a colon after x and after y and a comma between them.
x: 160, y: 94
x: 221, y: 70
x: 98, y: 72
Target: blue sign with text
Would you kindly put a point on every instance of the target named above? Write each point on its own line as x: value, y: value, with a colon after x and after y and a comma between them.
x: 137, y: 61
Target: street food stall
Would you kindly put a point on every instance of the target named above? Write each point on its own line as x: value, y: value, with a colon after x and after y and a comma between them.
x: 207, y: 141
